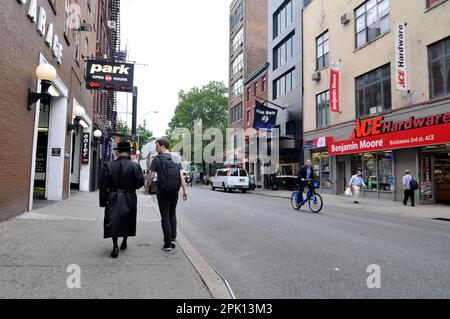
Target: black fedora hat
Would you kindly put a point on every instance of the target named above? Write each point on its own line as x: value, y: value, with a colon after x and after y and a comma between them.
x: 123, y: 147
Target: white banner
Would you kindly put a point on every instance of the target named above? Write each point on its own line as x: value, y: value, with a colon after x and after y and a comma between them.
x: 400, y: 56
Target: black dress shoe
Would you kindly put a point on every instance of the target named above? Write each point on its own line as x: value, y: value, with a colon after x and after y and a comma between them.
x: 115, y: 252
x: 124, y: 246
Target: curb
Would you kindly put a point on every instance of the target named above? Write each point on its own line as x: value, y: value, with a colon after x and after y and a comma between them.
x: 216, y: 284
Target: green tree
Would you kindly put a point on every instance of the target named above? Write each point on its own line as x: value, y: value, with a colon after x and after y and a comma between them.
x: 208, y: 104
x: 122, y: 127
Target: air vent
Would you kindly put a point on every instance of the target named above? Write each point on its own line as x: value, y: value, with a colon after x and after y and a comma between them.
x: 316, y: 76
x: 345, y: 18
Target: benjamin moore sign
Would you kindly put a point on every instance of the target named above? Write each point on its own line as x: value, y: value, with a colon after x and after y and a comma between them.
x: 109, y: 76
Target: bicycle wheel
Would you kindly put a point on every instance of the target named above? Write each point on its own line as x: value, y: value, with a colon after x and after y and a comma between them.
x: 294, y: 202
x: 316, y: 203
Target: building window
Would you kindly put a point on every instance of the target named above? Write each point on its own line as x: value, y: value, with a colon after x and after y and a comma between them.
x: 263, y: 84
x: 283, y: 51
x: 255, y: 89
x: 323, y: 109
x: 372, y: 20
x: 237, y: 88
x: 236, y: 113
x: 249, y: 90
x: 237, y: 40
x: 284, y: 84
x: 431, y: 3
x: 373, y: 92
x: 238, y: 64
x: 323, y: 49
x: 248, y: 118
x: 283, y: 18
x: 439, y: 68
x: 236, y: 16
x: 377, y: 169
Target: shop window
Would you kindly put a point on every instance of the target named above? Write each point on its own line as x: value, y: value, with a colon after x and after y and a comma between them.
x: 377, y: 169
x: 321, y: 162
x: 426, y: 181
x: 385, y: 173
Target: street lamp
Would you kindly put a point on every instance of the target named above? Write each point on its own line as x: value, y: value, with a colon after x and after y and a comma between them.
x: 98, y: 134
x: 46, y: 73
x: 79, y: 113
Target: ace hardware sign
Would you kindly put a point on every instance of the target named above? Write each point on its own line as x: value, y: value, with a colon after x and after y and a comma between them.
x: 109, y: 76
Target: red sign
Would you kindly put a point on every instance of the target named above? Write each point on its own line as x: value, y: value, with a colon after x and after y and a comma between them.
x: 334, y: 90
x: 429, y: 135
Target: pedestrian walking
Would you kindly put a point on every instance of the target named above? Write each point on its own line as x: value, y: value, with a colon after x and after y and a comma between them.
x: 119, y: 182
x: 170, y: 180
x: 355, y: 185
x: 409, y: 186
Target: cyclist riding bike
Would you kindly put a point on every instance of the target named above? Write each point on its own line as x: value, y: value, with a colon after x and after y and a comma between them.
x: 306, y: 179
x: 306, y: 172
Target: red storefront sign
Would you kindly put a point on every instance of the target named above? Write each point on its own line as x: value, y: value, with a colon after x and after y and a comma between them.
x: 366, y: 138
x: 334, y: 89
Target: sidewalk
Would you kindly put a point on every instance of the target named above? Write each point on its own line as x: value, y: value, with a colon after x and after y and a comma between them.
x: 372, y: 205
x: 38, y: 247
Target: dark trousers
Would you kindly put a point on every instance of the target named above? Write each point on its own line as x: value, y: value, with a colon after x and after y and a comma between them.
x: 409, y: 194
x: 167, y: 203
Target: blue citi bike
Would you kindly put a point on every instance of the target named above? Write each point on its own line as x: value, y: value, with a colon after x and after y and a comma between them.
x: 313, y: 199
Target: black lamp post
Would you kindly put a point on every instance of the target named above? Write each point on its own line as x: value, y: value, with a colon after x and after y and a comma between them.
x: 46, y: 73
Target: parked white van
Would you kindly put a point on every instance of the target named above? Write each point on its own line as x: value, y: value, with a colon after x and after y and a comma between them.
x: 229, y: 179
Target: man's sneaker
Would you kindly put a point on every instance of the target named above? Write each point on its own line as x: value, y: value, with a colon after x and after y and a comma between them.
x: 167, y: 247
x: 173, y: 245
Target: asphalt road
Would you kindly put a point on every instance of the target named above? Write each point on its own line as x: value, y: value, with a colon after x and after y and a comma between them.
x: 265, y: 249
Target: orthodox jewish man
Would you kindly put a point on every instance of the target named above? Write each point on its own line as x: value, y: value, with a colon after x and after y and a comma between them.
x: 120, y: 180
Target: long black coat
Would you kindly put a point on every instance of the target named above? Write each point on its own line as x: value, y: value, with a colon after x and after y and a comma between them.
x: 120, y: 180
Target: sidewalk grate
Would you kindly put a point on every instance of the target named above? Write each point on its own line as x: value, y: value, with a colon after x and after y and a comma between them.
x: 442, y: 219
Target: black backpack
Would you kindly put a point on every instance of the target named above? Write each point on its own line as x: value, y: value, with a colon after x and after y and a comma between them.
x: 413, y: 185
x: 169, y: 179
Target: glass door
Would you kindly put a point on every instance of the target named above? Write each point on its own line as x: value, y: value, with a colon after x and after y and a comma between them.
x: 426, y: 179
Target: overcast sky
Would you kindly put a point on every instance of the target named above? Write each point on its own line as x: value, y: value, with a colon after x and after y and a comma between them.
x: 184, y: 43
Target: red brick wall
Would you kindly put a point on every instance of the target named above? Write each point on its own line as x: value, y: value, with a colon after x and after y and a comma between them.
x: 21, y: 45
x: 250, y: 103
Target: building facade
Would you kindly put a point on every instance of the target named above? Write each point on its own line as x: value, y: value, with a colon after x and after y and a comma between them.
x: 40, y: 157
x: 248, y: 51
x: 285, y: 82
x: 387, y: 108
x: 255, y: 88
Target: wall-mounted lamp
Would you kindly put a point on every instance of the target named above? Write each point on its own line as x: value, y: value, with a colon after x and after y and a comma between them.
x: 79, y: 113
x: 98, y: 134
x: 46, y: 73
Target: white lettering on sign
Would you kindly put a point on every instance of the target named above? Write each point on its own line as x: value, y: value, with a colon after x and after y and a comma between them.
x: 51, y: 39
x: 122, y: 69
x: 372, y: 144
x: 400, y: 56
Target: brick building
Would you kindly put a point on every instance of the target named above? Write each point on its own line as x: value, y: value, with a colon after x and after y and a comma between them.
x: 255, y: 88
x: 38, y: 157
x: 248, y: 51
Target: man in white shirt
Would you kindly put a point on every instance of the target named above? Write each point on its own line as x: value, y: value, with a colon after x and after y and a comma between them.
x: 355, y: 184
x: 409, y: 193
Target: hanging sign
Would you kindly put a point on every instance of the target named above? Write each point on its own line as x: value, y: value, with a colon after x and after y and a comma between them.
x: 85, y: 149
x: 109, y: 76
x: 334, y: 88
x: 265, y: 117
x: 400, y: 56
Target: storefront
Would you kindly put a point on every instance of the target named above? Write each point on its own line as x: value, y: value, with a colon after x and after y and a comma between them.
x: 384, y: 149
x: 317, y: 151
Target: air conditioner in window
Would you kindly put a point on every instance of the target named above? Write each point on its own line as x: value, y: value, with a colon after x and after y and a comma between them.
x: 376, y: 109
x: 112, y: 25
x: 345, y: 18
x: 316, y: 76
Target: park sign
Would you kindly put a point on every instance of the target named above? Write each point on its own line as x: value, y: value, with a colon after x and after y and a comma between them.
x: 109, y: 76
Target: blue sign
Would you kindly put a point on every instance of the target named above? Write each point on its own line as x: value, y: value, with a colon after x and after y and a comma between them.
x: 265, y: 117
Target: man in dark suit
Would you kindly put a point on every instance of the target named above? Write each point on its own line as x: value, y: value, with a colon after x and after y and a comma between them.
x: 305, y: 173
x: 119, y: 182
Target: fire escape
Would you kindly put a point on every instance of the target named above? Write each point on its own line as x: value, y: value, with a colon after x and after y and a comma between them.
x: 117, y: 56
